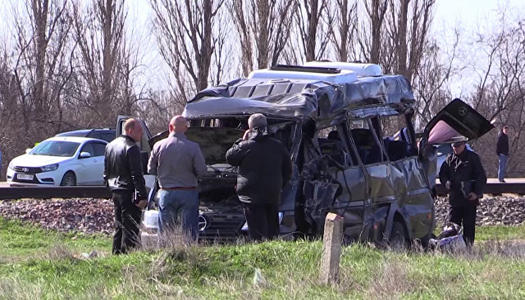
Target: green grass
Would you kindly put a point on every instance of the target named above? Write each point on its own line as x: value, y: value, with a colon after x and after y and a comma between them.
x: 23, y: 241
x: 500, y: 233
x: 485, y: 233
x: 38, y: 264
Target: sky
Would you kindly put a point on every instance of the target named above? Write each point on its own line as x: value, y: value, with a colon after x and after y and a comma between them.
x: 469, y: 15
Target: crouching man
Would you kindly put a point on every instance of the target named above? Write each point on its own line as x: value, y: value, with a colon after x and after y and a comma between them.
x: 464, y: 177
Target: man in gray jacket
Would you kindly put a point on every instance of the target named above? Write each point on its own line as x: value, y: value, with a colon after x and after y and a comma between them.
x: 178, y: 164
x: 264, y: 169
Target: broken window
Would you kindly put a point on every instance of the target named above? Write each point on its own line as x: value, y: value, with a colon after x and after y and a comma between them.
x: 398, y: 141
x: 331, y: 146
x: 366, y: 141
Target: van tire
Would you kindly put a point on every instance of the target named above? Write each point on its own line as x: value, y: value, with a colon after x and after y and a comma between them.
x: 398, y: 239
x: 69, y: 179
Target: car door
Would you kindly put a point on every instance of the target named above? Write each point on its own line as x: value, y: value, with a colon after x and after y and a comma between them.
x: 145, y: 145
x: 99, y: 149
x: 87, y: 173
x: 456, y: 120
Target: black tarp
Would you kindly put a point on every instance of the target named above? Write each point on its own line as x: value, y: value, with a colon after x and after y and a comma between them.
x: 300, y: 98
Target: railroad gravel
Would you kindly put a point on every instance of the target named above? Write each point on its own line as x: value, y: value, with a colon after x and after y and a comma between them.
x: 498, y: 210
x: 70, y: 215
x: 96, y: 215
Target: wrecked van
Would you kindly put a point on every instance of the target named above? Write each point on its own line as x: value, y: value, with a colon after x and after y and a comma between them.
x: 350, y: 134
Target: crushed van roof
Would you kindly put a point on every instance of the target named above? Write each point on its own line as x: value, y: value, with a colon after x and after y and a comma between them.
x: 300, y: 98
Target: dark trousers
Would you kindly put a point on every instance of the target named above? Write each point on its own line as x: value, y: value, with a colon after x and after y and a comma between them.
x: 127, y: 222
x: 263, y: 221
x: 465, y: 215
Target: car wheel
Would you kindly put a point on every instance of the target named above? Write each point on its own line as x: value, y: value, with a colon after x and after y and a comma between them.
x: 69, y: 179
x: 398, y: 239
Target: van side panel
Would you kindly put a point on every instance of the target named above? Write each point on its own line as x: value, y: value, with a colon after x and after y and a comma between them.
x: 419, y: 199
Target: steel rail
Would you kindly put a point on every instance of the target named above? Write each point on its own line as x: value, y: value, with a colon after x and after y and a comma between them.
x: 102, y: 192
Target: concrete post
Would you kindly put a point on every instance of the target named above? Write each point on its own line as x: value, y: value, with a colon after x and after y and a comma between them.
x: 332, y: 242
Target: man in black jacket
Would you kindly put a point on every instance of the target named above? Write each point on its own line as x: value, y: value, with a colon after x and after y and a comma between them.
x: 264, y: 169
x: 463, y: 175
x: 502, y: 150
x: 123, y: 175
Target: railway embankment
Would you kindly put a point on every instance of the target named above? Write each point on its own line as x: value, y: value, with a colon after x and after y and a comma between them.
x: 89, y: 215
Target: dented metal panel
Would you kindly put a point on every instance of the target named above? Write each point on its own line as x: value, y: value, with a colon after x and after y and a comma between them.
x: 301, y: 98
x: 334, y: 176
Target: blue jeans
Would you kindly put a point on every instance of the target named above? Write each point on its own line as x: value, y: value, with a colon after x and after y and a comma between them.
x: 179, y: 203
x: 502, y: 166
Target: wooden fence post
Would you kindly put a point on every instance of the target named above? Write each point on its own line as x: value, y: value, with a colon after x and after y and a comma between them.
x: 332, y: 241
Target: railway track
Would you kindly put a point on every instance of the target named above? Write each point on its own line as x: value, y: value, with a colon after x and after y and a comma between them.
x: 512, y: 186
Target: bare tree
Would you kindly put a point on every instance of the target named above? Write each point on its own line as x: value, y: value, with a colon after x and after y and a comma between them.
x: 343, y: 34
x: 264, y: 30
x: 184, y: 32
x: 33, y: 73
x: 431, y: 81
x: 314, y: 19
x: 11, y: 130
x: 407, y: 28
x: 40, y: 68
x: 370, y: 37
x: 100, y: 35
x: 242, y: 23
x: 504, y: 72
x: 500, y: 90
x: 224, y: 61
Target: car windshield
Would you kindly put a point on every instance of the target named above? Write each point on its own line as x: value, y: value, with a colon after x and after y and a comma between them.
x: 55, y: 148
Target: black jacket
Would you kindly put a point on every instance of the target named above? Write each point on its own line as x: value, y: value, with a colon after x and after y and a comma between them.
x: 123, y: 166
x: 502, y: 147
x: 264, y: 169
x: 464, y: 171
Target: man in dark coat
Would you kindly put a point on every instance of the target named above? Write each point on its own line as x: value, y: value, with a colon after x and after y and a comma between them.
x: 264, y: 169
x: 123, y: 175
x: 463, y: 175
x: 502, y: 150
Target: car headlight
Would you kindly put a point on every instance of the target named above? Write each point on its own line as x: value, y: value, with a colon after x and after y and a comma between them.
x: 49, y: 168
x: 11, y: 165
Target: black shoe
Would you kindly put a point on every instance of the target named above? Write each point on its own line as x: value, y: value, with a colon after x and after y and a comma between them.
x: 502, y: 181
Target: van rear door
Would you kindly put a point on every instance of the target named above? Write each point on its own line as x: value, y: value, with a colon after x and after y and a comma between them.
x: 454, y: 122
x: 457, y: 119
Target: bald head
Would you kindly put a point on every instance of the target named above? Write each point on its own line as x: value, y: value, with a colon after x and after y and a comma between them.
x: 133, y: 129
x: 178, y: 124
x: 257, y: 121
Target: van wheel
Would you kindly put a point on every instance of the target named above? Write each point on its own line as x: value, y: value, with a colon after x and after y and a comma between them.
x: 398, y: 239
x: 69, y: 179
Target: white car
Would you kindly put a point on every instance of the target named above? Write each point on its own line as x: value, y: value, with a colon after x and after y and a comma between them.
x: 60, y: 161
